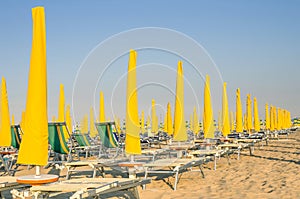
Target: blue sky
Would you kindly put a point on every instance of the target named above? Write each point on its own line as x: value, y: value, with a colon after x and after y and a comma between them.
x: 255, y: 45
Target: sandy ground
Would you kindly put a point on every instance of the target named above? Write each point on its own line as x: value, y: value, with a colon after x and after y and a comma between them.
x: 272, y: 172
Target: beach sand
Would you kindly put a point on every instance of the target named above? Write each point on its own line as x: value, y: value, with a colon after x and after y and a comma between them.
x: 272, y: 172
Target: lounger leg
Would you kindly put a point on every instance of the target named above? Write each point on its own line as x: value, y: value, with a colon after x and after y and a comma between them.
x: 176, y: 181
x: 94, y: 172
x: 135, y: 192
x: 250, y: 149
x: 239, y: 152
x: 201, y: 170
x: 227, y: 155
x: 68, y: 173
x: 215, y: 166
x: 146, y: 175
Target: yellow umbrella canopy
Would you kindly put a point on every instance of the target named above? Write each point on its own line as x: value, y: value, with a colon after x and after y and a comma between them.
x: 84, y: 126
x: 245, y: 121
x: 283, y: 112
x: 132, y: 140
x: 249, y: 113
x: 5, y: 131
x: 219, y: 121
x: 156, y: 124
x: 256, y: 116
x: 239, y: 112
x: 22, y: 122
x: 231, y: 121
x: 191, y: 123
x: 267, y: 117
x: 101, y: 111
x: 61, y: 109
x: 69, y: 118
x: 225, y: 113
x: 93, y: 131
x: 180, y: 133
x: 61, y: 104
x: 166, y: 122
x: 275, y: 118
x: 289, y: 120
x: 153, y: 117
x: 118, y: 125
x: 169, y: 118
x: 148, y: 122
x: 195, y: 121
x: 208, y: 123
x: 12, y: 119
x: 279, y: 119
x: 35, y: 137
x: 272, y: 119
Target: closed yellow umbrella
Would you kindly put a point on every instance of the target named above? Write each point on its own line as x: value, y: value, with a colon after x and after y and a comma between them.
x: 275, y: 117
x: 61, y: 104
x: 256, y: 116
x: 272, y: 119
x: 289, y: 120
x: 219, y: 121
x: 284, y: 121
x: 166, y: 122
x: 239, y: 112
x: 249, y: 114
x: 84, y: 126
x: 132, y: 140
x: 69, y: 118
x: 180, y: 133
x: 5, y: 129
x: 93, y: 131
x: 118, y: 124
x: 191, y: 123
x: 13, y: 119
x: 208, y: 123
x: 279, y: 119
x: 22, y: 122
x: 148, y: 122
x: 195, y: 121
x: 35, y: 137
x: 231, y: 121
x: 101, y: 111
x: 245, y: 122
x: 61, y: 109
x: 225, y: 113
x: 169, y: 118
x: 153, y: 117
x: 267, y: 117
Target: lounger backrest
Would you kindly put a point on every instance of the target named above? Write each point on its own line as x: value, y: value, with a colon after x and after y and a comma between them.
x: 81, y: 139
x: 16, y: 133
x: 57, y: 139
x: 107, y: 137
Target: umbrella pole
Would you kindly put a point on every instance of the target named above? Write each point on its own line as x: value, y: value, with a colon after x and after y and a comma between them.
x: 131, y: 158
x: 38, y: 170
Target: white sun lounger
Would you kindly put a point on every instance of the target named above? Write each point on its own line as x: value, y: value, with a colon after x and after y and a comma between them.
x: 173, y: 167
x: 89, y: 187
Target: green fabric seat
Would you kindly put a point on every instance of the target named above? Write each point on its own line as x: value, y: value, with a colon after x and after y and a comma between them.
x: 16, y: 133
x: 57, y: 139
x: 107, y: 137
